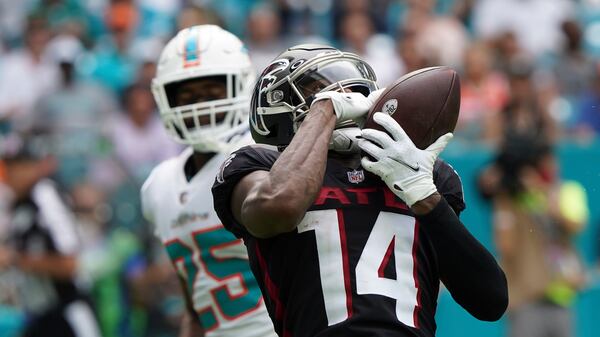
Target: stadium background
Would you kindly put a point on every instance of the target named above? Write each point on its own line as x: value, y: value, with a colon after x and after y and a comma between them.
x: 102, y: 162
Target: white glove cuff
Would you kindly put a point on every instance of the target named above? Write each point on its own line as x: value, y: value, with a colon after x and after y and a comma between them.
x: 414, y: 189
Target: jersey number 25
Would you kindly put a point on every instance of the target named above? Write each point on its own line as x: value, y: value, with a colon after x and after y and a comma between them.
x: 227, y: 272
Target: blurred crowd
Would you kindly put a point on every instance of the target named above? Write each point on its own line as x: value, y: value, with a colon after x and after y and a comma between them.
x: 75, y: 75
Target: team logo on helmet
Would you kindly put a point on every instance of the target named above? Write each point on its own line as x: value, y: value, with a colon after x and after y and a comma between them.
x: 267, y: 80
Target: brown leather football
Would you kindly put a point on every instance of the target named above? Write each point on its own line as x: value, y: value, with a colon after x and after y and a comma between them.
x: 424, y: 102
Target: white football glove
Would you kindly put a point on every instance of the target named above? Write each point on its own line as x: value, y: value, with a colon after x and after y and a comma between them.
x: 348, y: 106
x: 406, y: 169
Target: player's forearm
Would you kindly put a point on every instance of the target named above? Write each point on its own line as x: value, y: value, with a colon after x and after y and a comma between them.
x: 190, y: 323
x: 297, y: 175
x: 56, y: 266
x: 468, y: 270
x: 299, y: 171
x: 190, y: 326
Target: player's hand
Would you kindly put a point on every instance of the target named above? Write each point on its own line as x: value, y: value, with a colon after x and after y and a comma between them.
x: 349, y: 106
x: 406, y: 169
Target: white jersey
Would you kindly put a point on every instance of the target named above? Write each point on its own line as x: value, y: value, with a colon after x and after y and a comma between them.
x: 212, y: 261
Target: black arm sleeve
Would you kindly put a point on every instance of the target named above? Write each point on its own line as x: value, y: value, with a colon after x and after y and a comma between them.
x: 448, y: 183
x: 468, y: 270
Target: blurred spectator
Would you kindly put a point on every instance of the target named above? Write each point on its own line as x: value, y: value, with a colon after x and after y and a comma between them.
x: 484, y: 93
x: 234, y: 14
x: 157, y: 17
x: 373, y: 9
x: 65, y: 16
x: 463, y: 11
x: 191, y: 16
x: 112, y: 262
x: 357, y: 36
x: 356, y: 28
x: 111, y: 62
x: 122, y: 15
x: 140, y: 141
x: 535, y: 219
x: 412, y: 58
x: 26, y: 76
x: 13, y: 18
x: 76, y: 113
x: 5, y: 197
x: 146, y: 53
x: 146, y: 73
x: 525, y: 112
x: 588, y: 122
x: 44, y: 245
x: 11, y: 316
x: 535, y: 23
x: 443, y: 38
x: 263, y: 41
x: 507, y: 51
x: 574, y: 69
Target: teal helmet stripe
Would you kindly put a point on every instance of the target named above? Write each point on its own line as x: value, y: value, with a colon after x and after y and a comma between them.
x: 191, y: 53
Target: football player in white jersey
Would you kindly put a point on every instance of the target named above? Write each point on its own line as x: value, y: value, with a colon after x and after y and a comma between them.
x: 202, y: 88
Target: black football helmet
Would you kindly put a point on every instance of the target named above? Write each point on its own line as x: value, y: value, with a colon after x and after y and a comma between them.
x: 286, y: 88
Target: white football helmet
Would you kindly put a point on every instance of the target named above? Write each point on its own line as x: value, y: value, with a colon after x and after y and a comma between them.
x: 205, y: 51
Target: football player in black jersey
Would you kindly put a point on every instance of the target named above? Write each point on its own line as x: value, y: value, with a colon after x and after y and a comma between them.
x: 337, y: 249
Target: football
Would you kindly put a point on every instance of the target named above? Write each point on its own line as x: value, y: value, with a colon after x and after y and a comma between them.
x: 424, y: 102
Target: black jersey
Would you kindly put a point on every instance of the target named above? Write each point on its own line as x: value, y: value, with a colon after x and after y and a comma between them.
x: 43, y: 225
x: 359, y: 263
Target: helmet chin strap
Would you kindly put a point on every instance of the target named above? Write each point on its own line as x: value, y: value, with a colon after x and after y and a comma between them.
x: 345, y: 140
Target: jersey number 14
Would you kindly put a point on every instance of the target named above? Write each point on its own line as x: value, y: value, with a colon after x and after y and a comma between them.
x: 391, y: 232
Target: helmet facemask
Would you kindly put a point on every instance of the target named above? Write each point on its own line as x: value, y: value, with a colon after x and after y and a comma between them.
x: 333, y: 71
x: 215, y: 118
